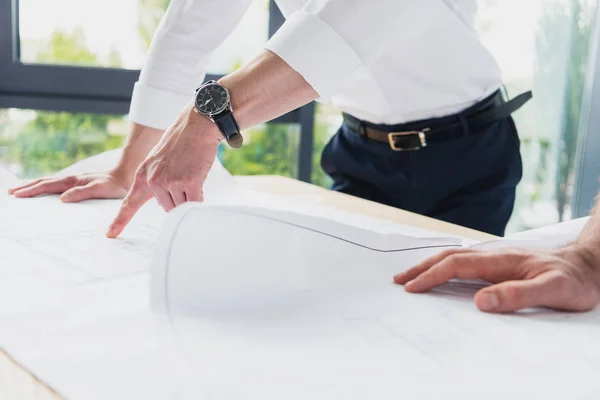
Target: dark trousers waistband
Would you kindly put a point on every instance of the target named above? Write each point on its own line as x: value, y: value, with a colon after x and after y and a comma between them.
x: 418, y: 134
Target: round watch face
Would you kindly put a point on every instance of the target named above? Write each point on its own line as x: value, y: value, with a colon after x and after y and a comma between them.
x: 212, y: 99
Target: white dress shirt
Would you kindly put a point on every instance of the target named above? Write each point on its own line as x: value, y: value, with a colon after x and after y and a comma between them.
x: 384, y: 61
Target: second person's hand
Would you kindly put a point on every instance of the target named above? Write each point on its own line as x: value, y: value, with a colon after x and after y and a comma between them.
x: 564, y: 279
x: 175, y: 170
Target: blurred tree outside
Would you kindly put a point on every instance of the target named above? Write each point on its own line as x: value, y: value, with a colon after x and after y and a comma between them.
x: 272, y: 149
x: 268, y: 149
x: 562, y: 43
x: 55, y: 140
x: 582, y: 13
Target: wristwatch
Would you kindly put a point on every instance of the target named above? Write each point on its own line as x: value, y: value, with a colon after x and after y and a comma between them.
x: 213, y: 101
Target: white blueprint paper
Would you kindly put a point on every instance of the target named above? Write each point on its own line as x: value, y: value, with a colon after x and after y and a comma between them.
x: 548, y: 237
x: 318, y: 318
x: 74, y: 306
x: 43, y: 240
x: 265, y: 309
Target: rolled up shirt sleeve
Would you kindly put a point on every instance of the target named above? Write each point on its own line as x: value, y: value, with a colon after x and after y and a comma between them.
x: 327, y: 40
x: 178, y: 57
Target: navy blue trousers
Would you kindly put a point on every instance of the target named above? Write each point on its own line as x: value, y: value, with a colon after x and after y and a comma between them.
x: 469, y: 181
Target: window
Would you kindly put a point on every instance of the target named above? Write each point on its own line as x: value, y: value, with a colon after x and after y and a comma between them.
x: 47, y: 33
x: 543, y: 45
x: 61, y: 59
x: 38, y: 143
x: 60, y: 62
x: 269, y: 149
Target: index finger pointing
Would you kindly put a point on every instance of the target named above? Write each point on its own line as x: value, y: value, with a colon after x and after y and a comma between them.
x: 135, y: 199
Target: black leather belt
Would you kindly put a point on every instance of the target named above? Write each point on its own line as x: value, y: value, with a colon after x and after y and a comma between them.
x: 416, y: 135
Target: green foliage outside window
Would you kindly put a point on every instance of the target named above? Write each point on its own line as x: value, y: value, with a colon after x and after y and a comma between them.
x: 53, y: 141
x: 270, y: 149
x: 562, y: 20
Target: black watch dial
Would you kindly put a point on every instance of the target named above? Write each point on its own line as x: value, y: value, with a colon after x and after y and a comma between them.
x: 212, y: 99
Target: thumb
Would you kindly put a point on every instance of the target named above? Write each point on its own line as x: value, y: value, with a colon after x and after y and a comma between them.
x: 511, y: 296
x: 135, y: 199
x: 80, y: 193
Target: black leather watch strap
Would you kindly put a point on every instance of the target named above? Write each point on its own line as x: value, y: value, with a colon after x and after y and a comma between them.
x: 230, y: 129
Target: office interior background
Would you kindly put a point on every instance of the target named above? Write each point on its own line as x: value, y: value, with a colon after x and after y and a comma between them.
x: 67, y: 68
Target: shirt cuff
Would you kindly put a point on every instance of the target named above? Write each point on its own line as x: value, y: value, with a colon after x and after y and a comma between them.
x: 155, y: 108
x: 316, y: 51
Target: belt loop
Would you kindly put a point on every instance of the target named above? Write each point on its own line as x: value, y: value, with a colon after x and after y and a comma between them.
x: 464, y: 124
x: 362, y: 130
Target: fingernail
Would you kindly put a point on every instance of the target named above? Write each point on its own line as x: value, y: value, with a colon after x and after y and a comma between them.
x: 64, y: 198
x: 409, y: 285
x: 488, y: 302
x: 110, y: 233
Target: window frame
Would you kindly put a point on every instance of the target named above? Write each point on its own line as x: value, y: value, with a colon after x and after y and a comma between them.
x: 101, y: 90
x: 587, y: 173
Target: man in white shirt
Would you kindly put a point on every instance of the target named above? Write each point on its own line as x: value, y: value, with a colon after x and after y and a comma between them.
x: 426, y: 128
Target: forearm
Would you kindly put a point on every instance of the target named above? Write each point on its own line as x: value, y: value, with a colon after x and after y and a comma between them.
x: 266, y: 89
x: 139, y: 143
